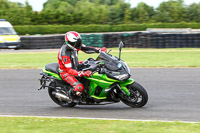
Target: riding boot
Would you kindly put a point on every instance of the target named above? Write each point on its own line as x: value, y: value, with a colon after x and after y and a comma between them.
x: 75, y: 98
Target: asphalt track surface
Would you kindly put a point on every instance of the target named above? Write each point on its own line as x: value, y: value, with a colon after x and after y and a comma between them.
x: 174, y: 94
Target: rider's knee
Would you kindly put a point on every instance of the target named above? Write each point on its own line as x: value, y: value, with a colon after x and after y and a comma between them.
x: 79, y: 88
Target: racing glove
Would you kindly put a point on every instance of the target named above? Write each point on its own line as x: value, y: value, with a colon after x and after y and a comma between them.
x: 86, y: 73
x: 104, y: 49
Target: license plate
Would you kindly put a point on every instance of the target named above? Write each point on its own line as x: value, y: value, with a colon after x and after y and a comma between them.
x: 12, y: 46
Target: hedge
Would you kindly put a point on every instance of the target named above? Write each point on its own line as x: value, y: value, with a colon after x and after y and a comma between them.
x: 61, y: 29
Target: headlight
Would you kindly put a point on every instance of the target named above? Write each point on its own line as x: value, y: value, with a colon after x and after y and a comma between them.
x: 18, y: 40
x: 122, y: 77
x: 2, y: 40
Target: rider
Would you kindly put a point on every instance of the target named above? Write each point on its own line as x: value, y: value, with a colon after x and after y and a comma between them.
x: 68, y: 60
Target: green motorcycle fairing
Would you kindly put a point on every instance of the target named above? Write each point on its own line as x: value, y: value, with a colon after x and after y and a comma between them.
x: 104, y: 82
x: 100, y: 80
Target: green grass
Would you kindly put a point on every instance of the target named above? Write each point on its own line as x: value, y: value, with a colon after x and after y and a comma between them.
x: 185, y: 57
x: 59, y: 125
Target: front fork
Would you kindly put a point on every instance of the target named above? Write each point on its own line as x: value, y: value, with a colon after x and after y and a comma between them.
x: 122, y: 86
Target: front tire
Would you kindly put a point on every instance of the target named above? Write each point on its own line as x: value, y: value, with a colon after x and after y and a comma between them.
x: 138, y: 96
x: 51, y: 90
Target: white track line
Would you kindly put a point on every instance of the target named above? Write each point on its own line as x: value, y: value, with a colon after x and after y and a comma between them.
x: 97, y: 118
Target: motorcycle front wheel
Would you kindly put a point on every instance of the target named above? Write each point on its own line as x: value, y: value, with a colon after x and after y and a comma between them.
x: 138, y: 96
x: 51, y: 91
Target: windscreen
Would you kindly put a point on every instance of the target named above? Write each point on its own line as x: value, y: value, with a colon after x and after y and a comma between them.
x: 7, y: 31
x: 111, y: 62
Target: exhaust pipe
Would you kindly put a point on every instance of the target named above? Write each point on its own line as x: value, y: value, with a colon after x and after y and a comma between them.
x: 61, y: 96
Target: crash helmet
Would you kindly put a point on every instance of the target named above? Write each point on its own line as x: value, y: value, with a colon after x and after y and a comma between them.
x: 73, y: 39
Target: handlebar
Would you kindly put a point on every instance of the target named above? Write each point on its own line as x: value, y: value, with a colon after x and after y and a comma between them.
x: 92, y: 68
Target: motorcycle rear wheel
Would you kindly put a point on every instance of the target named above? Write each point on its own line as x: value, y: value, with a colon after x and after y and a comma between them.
x: 138, y: 97
x: 56, y: 100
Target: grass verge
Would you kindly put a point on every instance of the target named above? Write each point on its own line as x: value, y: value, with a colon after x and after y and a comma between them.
x: 186, y: 57
x: 55, y: 125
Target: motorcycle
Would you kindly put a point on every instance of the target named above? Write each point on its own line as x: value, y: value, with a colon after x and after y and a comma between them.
x: 109, y: 83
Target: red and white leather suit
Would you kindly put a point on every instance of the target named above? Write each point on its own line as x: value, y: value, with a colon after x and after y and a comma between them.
x: 68, y: 64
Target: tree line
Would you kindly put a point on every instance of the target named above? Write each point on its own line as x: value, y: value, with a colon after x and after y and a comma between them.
x: 110, y: 12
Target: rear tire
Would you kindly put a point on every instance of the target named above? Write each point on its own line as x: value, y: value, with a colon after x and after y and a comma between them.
x: 138, y: 96
x: 56, y: 100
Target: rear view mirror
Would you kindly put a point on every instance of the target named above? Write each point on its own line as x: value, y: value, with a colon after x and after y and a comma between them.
x: 121, y: 45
